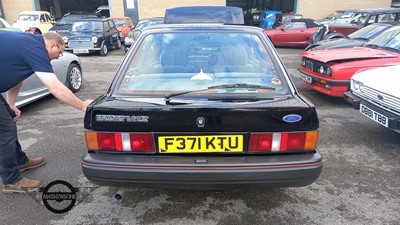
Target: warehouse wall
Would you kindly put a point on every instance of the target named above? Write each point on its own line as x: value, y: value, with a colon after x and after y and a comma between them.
x: 13, y: 8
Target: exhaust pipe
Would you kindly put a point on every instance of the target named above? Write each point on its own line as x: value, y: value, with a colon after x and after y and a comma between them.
x: 120, y: 193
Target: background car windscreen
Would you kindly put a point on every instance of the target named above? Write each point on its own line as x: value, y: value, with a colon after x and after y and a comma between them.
x: 87, y: 26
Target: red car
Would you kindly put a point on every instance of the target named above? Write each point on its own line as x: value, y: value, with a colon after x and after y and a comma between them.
x: 124, y: 25
x: 295, y: 33
x: 330, y: 71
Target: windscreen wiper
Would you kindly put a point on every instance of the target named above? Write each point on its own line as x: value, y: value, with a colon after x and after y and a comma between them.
x: 374, y: 46
x: 241, y: 86
x: 222, y: 86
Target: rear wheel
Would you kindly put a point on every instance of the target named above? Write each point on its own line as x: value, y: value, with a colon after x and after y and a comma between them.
x: 104, y: 50
x: 74, y: 77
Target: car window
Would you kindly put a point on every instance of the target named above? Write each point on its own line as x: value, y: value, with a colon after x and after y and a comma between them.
x: 369, y: 32
x: 112, y: 25
x: 371, y: 20
x: 389, y: 38
x: 87, y: 26
x: 42, y: 18
x: 387, y: 17
x: 48, y: 18
x: 67, y: 20
x: 287, y: 18
x: 359, y: 18
x: 120, y: 23
x: 295, y: 25
x: 28, y: 17
x: 192, y: 61
x: 106, y: 26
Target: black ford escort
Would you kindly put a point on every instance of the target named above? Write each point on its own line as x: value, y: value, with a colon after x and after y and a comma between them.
x: 202, y: 106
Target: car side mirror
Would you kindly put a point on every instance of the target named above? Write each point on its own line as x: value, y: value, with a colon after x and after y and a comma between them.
x: 282, y: 29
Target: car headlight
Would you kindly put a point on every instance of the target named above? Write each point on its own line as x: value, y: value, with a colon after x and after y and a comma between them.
x: 357, y: 85
x: 328, y: 71
x: 128, y: 40
x: 325, y: 70
x: 94, y: 39
x: 321, y: 70
x: 255, y: 17
x: 65, y: 39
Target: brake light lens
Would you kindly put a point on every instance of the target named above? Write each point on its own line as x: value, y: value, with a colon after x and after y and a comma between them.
x: 283, y: 142
x: 122, y: 142
x: 142, y: 142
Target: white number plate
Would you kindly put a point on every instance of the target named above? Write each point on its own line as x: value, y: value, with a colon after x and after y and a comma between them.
x: 81, y: 51
x: 306, y: 78
x: 377, y: 117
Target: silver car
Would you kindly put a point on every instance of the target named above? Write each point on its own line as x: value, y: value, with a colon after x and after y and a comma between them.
x: 68, y: 70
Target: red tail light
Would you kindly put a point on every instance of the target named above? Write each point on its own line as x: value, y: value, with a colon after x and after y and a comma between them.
x: 260, y: 142
x: 108, y: 141
x: 142, y: 142
x: 283, y: 142
x: 123, y: 142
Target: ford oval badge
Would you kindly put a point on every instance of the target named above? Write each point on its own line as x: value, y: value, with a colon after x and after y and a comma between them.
x: 292, y: 118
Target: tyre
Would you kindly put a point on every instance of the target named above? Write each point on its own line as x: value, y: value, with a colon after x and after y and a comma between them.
x: 74, y: 78
x: 104, y: 50
x: 118, y: 44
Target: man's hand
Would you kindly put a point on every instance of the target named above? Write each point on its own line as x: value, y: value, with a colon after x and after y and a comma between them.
x: 85, y: 105
x: 17, y: 113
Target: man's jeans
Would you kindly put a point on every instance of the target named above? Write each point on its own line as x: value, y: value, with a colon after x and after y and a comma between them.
x: 11, y: 154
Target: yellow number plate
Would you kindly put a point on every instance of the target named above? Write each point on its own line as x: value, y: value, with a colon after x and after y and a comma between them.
x: 200, y: 144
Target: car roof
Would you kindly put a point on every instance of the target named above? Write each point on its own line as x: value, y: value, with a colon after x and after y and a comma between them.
x: 217, y: 26
x: 152, y: 18
x: 119, y: 17
x: 93, y: 19
x: 378, y: 10
x: 309, y: 22
x: 204, y: 14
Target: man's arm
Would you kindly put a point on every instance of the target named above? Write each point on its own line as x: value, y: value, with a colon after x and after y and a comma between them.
x: 12, y: 95
x: 61, y: 92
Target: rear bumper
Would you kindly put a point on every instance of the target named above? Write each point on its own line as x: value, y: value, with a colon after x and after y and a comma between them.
x: 196, y: 172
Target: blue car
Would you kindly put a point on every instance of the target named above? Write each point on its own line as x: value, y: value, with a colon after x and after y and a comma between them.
x: 92, y: 35
x: 268, y: 18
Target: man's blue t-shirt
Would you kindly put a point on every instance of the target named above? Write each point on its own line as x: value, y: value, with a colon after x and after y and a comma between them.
x: 21, y: 55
